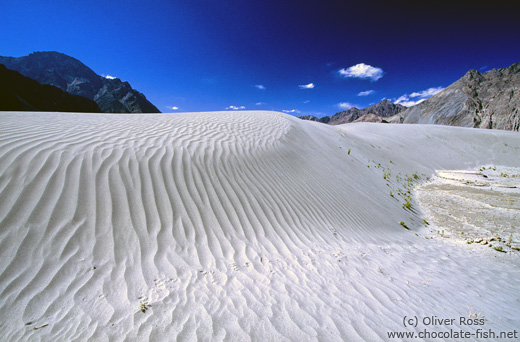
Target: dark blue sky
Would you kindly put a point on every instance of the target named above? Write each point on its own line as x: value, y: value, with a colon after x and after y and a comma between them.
x: 313, y: 57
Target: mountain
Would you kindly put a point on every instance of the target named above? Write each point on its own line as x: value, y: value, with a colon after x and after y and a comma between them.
x: 370, y: 118
x: 380, y: 110
x: 481, y: 100
x: 324, y: 119
x: 74, y: 77
x: 20, y: 93
x: 384, y: 109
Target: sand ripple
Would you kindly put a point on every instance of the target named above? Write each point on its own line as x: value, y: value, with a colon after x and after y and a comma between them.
x: 231, y: 226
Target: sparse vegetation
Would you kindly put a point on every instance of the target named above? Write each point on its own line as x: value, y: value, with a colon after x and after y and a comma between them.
x: 473, y: 314
x: 407, y: 203
x: 404, y: 225
x: 144, y: 306
x: 43, y: 326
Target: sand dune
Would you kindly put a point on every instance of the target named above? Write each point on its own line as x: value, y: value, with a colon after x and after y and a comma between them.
x: 236, y: 226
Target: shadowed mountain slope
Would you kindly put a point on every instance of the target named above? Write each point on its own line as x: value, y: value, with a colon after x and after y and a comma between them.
x: 74, y: 77
x: 20, y: 93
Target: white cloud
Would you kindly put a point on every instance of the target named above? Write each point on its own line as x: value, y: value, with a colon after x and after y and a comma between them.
x: 259, y: 86
x: 366, y: 93
x: 405, y: 101
x: 345, y: 105
x: 235, y: 107
x: 260, y: 103
x: 174, y: 108
x: 363, y: 71
x: 306, y: 86
x: 427, y: 93
x: 306, y: 101
x: 109, y: 77
x: 409, y: 100
x: 291, y: 111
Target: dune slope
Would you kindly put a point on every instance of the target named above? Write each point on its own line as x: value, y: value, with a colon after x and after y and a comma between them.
x: 235, y: 226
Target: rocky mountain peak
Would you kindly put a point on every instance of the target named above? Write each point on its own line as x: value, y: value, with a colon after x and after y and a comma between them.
x: 71, y: 75
x: 481, y: 100
x: 383, y: 109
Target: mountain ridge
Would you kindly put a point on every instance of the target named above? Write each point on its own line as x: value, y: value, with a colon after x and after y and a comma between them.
x: 21, y: 93
x: 383, y: 109
x: 71, y: 75
x: 479, y: 100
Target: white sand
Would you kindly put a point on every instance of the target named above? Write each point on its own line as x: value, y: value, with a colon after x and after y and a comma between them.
x: 236, y: 226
